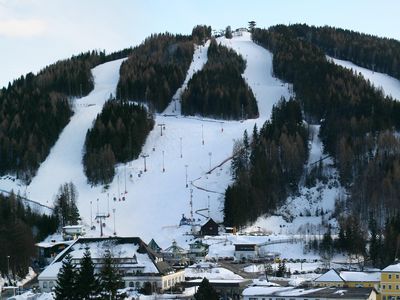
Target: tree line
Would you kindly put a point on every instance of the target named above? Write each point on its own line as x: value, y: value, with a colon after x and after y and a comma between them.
x: 20, y: 229
x: 35, y: 108
x: 352, y: 114
x: 219, y: 90
x: 266, y: 168
x: 365, y: 50
x: 117, y: 136
x: 155, y: 70
x: 201, y: 33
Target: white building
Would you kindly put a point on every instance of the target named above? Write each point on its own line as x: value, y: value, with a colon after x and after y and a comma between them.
x: 72, y: 232
x: 246, y: 251
x: 136, y: 262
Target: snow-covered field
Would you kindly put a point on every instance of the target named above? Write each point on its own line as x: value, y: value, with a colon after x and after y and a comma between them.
x: 188, y: 148
x: 389, y: 85
x: 156, y: 200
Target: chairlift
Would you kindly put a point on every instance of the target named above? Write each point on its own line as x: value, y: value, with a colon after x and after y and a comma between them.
x: 123, y: 198
x: 115, y: 199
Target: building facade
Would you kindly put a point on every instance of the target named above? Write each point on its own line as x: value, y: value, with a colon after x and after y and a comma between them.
x: 136, y: 263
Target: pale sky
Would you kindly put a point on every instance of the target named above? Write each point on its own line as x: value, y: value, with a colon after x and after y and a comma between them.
x: 35, y: 33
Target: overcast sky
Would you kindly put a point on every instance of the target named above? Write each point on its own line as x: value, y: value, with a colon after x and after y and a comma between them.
x: 35, y: 33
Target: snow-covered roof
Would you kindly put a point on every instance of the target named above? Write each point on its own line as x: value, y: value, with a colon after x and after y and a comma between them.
x: 51, y: 244
x: 330, y: 276
x: 360, y: 276
x: 120, y: 248
x: 260, y: 290
x: 73, y: 227
x: 325, y: 292
x: 392, y: 268
x: 51, y: 271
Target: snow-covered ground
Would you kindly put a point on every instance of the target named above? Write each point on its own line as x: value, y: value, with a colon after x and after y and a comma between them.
x: 389, y: 85
x: 155, y: 200
x: 188, y: 148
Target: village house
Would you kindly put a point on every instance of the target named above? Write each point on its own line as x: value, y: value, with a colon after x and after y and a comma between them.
x: 209, y: 227
x: 72, y: 232
x: 390, y: 282
x: 136, y: 262
x: 175, y: 255
x: 198, y: 251
x: 332, y: 278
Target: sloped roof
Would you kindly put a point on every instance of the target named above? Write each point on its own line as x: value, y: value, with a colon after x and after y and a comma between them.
x: 153, y: 245
x: 392, y: 268
x: 361, y: 276
x: 120, y: 247
x: 330, y: 276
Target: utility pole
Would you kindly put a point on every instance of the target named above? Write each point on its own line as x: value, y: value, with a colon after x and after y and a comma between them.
x: 163, y: 167
x: 210, y: 154
x: 202, y: 134
x: 181, y: 145
x: 191, y: 205
x: 186, y: 166
x: 144, y: 158
x: 125, y: 179
x: 91, y: 215
x: 115, y: 233
x: 161, y: 127
x: 108, y: 204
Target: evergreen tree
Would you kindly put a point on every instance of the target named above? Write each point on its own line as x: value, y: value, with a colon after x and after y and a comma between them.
x: 252, y: 25
x: 110, y: 279
x: 228, y: 32
x: 66, y: 281
x: 374, y: 246
x: 87, y: 284
x: 206, y: 291
x: 281, y: 269
x: 65, y: 205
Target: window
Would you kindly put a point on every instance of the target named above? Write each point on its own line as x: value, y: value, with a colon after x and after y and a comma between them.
x: 50, y: 284
x: 383, y: 287
x: 390, y: 276
x: 253, y: 298
x: 397, y: 286
x: 397, y: 276
x: 45, y: 284
x: 131, y: 284
x: 389, y: 286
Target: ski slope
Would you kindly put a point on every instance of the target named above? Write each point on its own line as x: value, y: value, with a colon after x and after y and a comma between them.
x: 155, y: 200
x: 389, y: 85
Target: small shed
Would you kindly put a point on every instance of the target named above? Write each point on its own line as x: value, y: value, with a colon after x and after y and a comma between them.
x: 210, y: 227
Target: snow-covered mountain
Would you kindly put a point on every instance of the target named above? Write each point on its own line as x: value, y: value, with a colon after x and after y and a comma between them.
x: 191, y: 150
